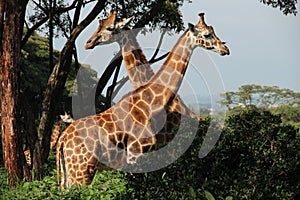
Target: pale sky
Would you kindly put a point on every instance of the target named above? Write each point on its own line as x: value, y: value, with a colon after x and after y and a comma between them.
x: 264, y: 47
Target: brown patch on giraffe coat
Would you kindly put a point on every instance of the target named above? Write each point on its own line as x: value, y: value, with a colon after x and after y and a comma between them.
x: 165, y: 78
x: 158, y: 100
x: 89, y: 122
x: 89, y: 144
x: 70, y: 143
x: 110, y: 127
x: 112, y: 139
x: 77, y: 141
x: 128, y: 59
x: 136, y: 130
x: 82, y: 133
x: 77, y: 150
x: 135, y: 148
x: 79, y: 174
x: 80, y: 125
x: 147, y: 96
x: 106, y: 117
x: 138, y: 115
x: 71, y: 128
x: 156, y: 88
x: 119, y: 136
x: 144, y: 107
x: 83, y: 149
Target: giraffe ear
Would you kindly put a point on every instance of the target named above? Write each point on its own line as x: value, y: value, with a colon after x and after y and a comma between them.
x: 124, y: 22
x: 192, y: 29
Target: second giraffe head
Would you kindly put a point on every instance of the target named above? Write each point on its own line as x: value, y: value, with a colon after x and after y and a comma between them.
x: 204, y: 35
x: 108, y: 30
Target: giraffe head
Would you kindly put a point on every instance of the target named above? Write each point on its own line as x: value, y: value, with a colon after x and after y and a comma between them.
x: 107, y: 30
x: 206, y: 38
x: 67, y: 118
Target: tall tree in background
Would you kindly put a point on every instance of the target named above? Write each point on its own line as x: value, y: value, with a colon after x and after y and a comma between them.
x: 54, y: 90
x: 13, y: 15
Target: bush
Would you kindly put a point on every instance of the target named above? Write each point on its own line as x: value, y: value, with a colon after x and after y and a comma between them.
x: 106, y: 185
x: 256, y: 157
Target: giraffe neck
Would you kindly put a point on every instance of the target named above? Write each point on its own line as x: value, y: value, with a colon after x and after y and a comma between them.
x: 55, y: 133
x: 137, y: 66
x: 168, y: 79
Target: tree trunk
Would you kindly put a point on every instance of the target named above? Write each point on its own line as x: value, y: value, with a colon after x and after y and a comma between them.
x: 14, y: 160
x: 54, y: 91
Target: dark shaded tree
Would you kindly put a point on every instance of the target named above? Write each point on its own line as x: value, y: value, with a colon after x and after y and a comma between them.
x: 13, y: 22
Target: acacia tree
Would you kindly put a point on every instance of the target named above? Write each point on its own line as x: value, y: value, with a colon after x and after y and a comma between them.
x: 261, y: 96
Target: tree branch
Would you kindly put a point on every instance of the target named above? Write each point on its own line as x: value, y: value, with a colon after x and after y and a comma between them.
x: 119, y: 85
x: 44, y: 20
x: 158, y: 46
x: 159, y: 58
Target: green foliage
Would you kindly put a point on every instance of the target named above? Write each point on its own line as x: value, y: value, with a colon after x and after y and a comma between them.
x: 261, y: 96
x: 35, y: 64
x: 35, y: 71
x: 61, y: 20
x: 286, y: 6
x: 180, y: 180
x: 151, y: 14
x: 106, y: 185
x: 289, y: 114
x: 256, y: 157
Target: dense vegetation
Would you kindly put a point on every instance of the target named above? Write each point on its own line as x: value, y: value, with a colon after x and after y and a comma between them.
x: 256, y: 157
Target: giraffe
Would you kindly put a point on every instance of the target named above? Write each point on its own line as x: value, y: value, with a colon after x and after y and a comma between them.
x: 137, y: 66
x: 121, y: 134
x: 66, y: 118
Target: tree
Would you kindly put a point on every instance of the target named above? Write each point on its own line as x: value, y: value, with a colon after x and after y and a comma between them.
x: 13, y: 22
x: 261, y: 96
x: 286, y: 6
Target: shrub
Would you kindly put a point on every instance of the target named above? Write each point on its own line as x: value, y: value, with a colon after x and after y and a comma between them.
x: 256, y: 157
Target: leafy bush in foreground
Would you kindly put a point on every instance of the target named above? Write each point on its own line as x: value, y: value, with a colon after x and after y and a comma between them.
x: 256, y: 157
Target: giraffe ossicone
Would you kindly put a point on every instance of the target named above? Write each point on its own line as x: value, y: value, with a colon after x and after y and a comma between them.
x: 116, y: 137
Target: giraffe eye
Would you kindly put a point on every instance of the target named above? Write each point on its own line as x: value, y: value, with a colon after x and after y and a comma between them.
x: 207, y: 35
x: 111, y: 28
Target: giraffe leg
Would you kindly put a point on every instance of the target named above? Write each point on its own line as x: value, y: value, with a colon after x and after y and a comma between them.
x: 136, y: 147
x: 84, y: 176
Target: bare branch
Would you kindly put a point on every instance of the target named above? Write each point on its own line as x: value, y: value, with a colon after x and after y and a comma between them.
x: 159, y: 58
x: 158, y: 46
x: 31, y: 30
x: 119, y: 86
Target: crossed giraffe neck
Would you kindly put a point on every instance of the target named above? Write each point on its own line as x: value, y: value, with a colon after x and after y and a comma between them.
x: 121, y: 134
x: 137, y: 66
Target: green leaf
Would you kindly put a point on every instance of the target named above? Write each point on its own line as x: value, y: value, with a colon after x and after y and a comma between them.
x: 208, y: 195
